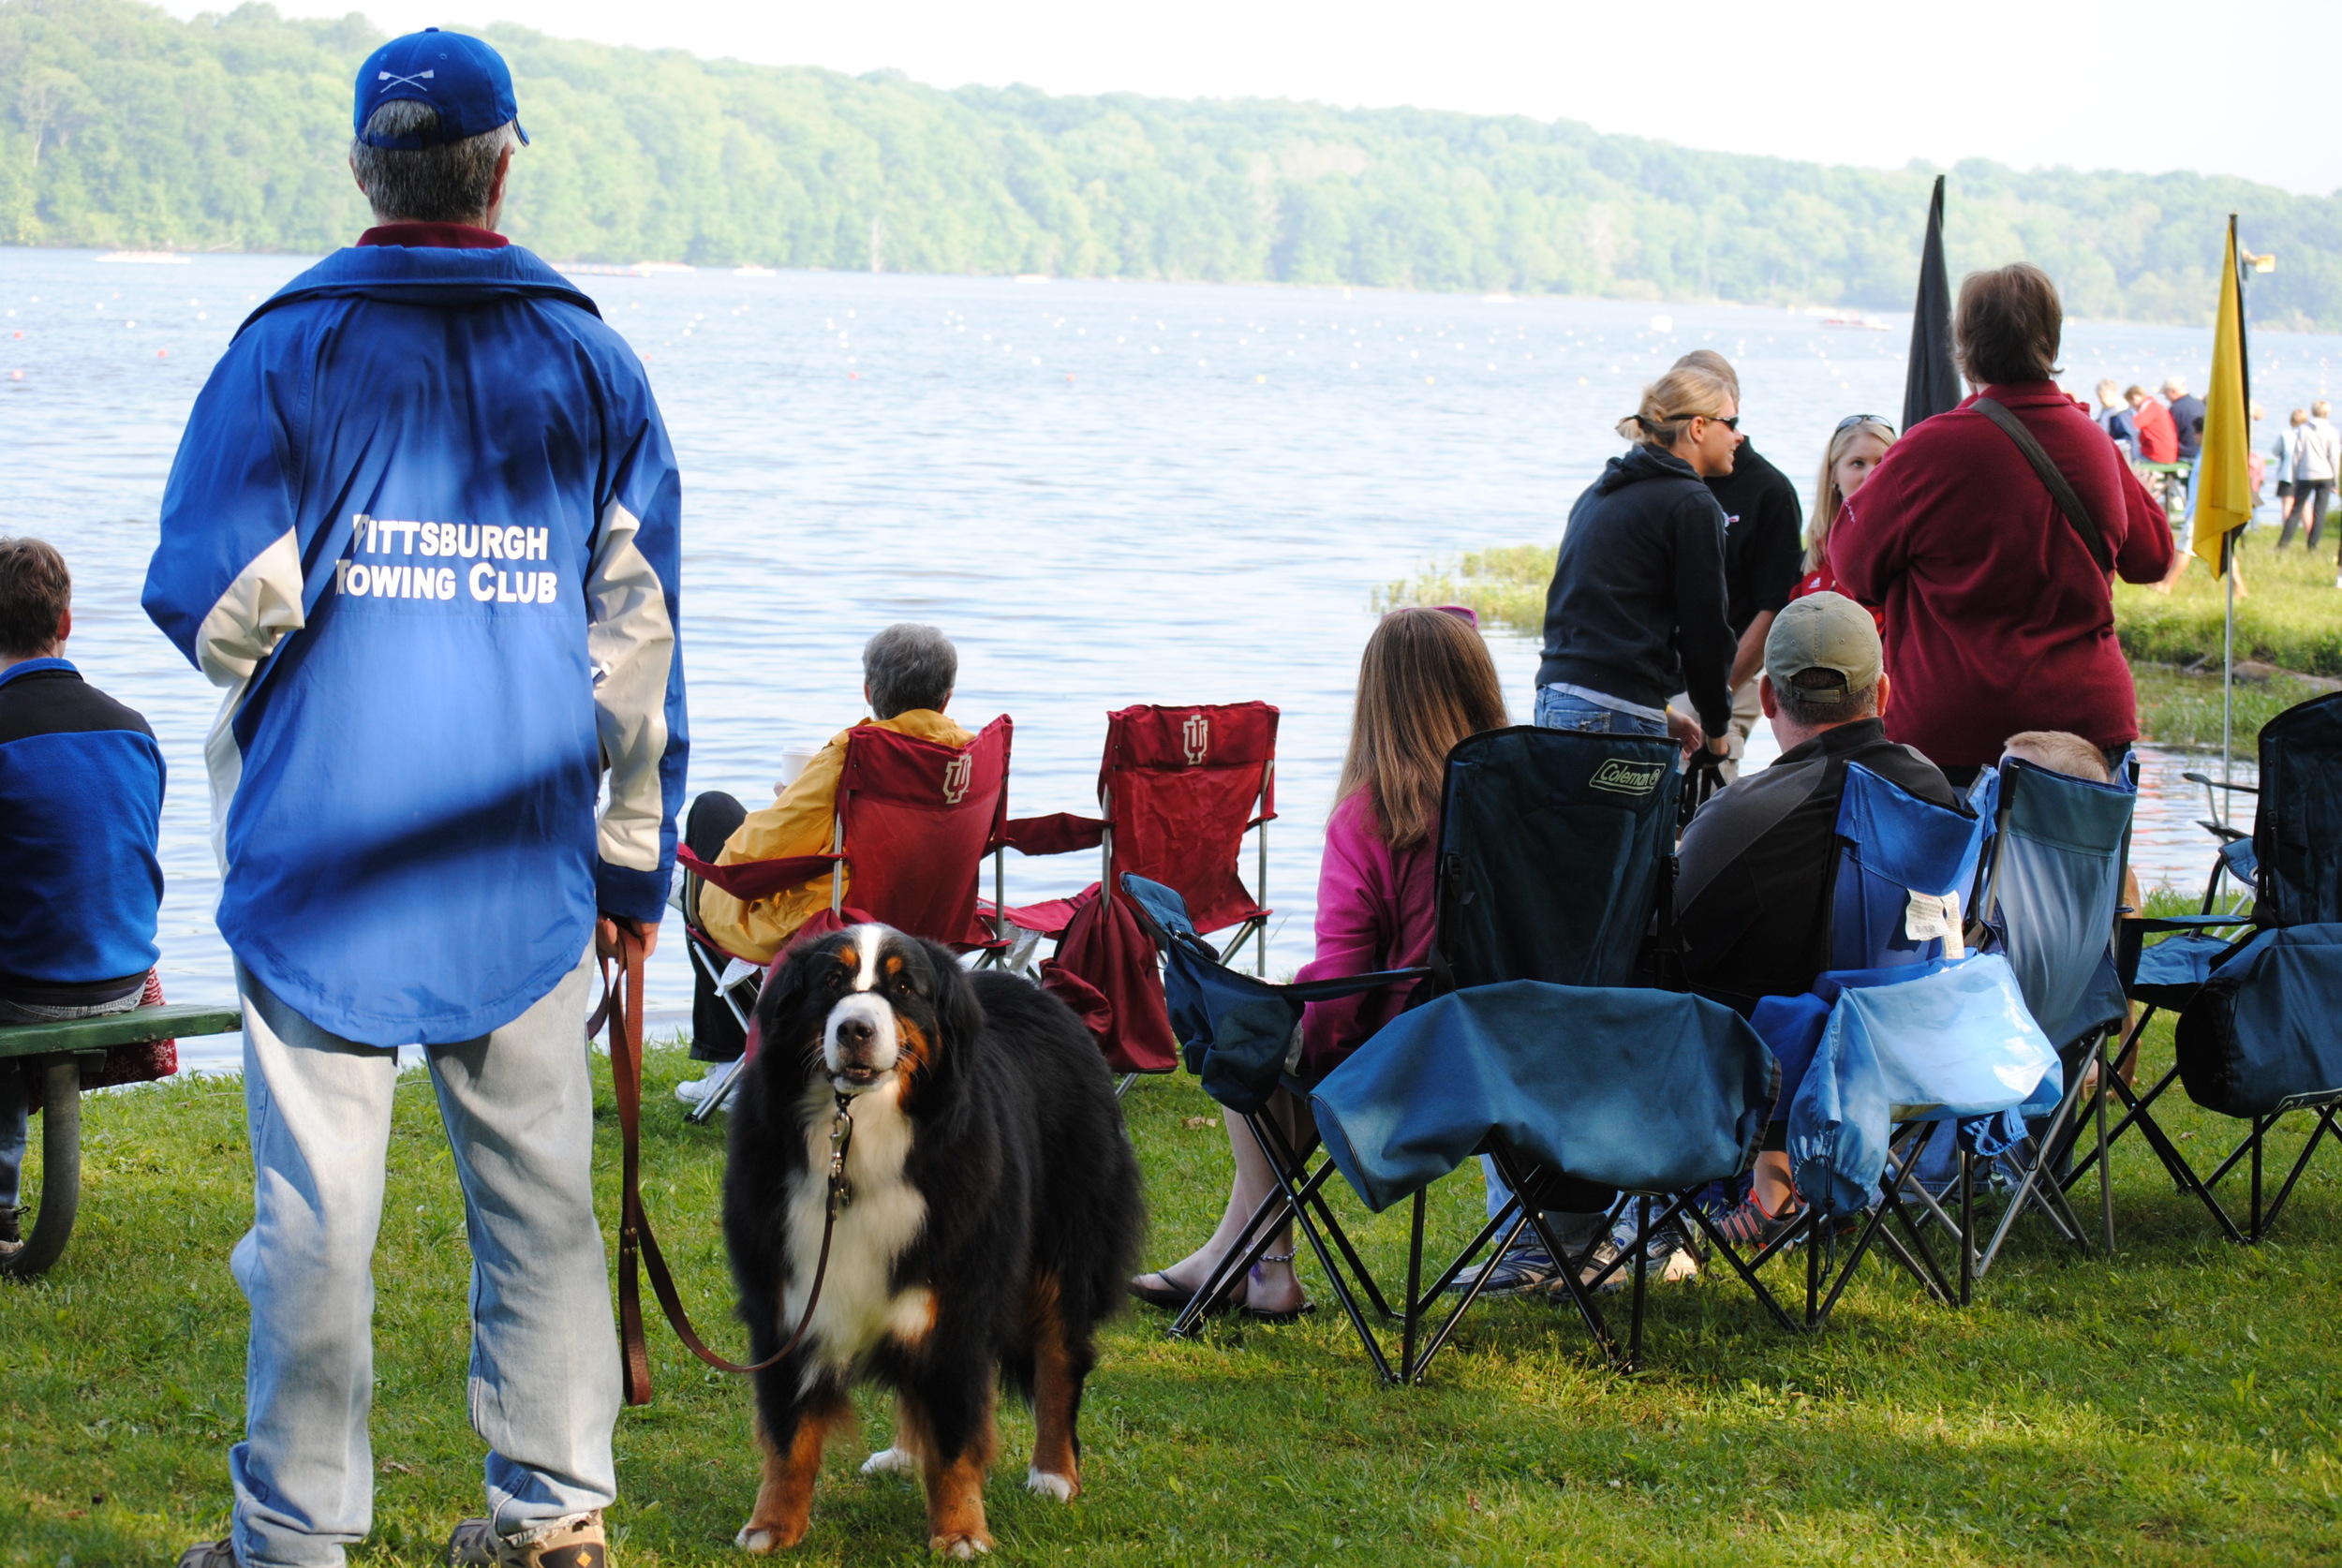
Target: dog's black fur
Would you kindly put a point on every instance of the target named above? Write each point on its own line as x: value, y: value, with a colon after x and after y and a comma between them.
x: 1032, y: 1220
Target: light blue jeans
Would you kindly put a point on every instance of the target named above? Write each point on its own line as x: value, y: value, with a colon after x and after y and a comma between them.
x: 517, y: 1104
x: 1561, y: 710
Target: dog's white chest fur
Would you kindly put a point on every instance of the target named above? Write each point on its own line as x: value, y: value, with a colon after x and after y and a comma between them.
x: 859, y: 1307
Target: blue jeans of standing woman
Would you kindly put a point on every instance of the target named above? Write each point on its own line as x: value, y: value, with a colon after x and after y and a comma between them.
x: 1559, y: 709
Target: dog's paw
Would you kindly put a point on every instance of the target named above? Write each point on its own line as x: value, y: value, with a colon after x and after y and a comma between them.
x: 1042, y: 1483
x: 960, y: 1547
x: 757, y: 1541
x: 889, y: 1460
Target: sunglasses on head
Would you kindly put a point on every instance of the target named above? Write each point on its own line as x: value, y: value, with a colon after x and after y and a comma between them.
x: 1852, y: 420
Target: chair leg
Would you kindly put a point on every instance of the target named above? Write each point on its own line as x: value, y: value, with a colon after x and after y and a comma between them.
x: 1745, y: 1269
x: 2105, y: 1168
x: 727, y: 1086
x: 1278, y: 1151
x: 1571, y: 1269
x: 1289, y: 1160
x: 1642, y: 1269
x: 2324, y: 1126
x: 1408, y: 1369
x: 1966, y: 1234
x: 1122, y: 1085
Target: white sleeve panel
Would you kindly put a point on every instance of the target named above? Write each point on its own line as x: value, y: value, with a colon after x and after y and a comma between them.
x: 632, y: 645
x: 243, y: 626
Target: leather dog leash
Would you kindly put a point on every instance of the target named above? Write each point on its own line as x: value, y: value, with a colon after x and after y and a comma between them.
x: 621, y: 1007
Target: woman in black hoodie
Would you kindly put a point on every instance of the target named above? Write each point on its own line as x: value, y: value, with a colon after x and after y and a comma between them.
x: 1637, y: 609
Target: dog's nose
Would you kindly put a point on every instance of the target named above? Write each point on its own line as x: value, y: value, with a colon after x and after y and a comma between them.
x: 854, y: 1033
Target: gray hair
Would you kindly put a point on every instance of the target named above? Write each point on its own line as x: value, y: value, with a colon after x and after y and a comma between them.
x: 909, y: 666
x: 1818, y: 699
x: 449, y: 183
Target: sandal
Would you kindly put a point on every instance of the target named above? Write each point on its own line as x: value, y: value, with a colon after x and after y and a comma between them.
x: 1173, y: 1298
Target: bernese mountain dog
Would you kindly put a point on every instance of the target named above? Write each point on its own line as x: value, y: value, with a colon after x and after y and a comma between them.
x: 990, y: 1213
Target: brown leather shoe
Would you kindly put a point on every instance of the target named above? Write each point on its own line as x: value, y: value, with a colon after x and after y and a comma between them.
x: 572, y: 1542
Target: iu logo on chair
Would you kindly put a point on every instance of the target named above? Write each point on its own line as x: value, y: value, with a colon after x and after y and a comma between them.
x: 957, y: 773
x: 1196, y: 735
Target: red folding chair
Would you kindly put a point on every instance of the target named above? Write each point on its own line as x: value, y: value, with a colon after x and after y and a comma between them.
x: 1177, y: 791
x: 915, y: 822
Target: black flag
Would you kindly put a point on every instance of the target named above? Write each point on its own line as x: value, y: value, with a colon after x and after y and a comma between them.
x: 1931, y: 382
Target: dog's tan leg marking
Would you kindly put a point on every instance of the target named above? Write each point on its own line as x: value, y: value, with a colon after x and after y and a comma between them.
x: 955, y: 1526
x: 784, y: 1499
x: 1056, y: 1398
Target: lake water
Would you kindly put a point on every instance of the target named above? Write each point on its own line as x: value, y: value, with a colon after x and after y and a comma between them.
x: 1106, y: 493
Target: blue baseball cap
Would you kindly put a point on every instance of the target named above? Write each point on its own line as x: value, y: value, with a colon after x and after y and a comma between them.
x: 461, y: 77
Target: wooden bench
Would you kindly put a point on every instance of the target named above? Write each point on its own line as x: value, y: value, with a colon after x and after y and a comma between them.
x: 55, y: 1053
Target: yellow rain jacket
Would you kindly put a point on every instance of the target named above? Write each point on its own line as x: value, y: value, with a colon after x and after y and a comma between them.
x: 802, y: 821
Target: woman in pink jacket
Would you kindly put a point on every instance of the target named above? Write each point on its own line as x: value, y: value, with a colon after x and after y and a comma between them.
x: 1425, y: 683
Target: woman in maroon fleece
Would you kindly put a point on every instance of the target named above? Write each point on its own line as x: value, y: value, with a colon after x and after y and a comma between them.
x: 1997, y: 617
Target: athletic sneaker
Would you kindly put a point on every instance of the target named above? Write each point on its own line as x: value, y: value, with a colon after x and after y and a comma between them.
x: 1524, y: 1270
x: 209, y: 1554
x: 572, y: 1543
x: 1669, y: 1251
x: 1751, y: 1229
x: 11, y: 1238
x: 693, y: 1091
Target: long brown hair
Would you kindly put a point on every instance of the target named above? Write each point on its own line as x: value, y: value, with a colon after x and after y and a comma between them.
x: 1425, y: 682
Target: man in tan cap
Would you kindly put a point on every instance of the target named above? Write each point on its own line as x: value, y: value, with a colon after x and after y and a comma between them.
x: 1752, y: 894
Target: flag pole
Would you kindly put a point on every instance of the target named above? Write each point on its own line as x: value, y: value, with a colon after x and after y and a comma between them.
x: 2228, y: 539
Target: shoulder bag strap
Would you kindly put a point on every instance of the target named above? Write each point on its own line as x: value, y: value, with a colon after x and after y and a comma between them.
x: 2093, y: 539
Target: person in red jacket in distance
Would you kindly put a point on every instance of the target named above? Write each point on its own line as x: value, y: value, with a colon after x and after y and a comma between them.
x: 1998, y: 618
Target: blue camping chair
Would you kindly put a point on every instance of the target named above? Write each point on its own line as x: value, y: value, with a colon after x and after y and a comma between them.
x: 1556, y: 847
x: 1886, y: 1045
x: 2052, y: 885
x: 2257, y: 992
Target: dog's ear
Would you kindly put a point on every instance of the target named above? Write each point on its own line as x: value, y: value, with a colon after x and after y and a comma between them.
x: 958, y: 1013
x: 781, y: 996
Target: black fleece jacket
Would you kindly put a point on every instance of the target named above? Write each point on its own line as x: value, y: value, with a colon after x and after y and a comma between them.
x: 1637, y: 606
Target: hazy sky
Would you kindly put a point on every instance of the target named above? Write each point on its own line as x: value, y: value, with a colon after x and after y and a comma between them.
x: 2138, y: 85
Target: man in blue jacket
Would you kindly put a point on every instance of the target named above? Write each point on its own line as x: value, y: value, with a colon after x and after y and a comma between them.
x: 422, y: 528
x: 80, y: 808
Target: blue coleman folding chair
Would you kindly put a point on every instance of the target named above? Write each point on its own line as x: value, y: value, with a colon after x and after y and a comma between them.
x: 2051, y: 884
x: 2257, y: 993
x: 1556, y: 849
x: 1874, y: 1059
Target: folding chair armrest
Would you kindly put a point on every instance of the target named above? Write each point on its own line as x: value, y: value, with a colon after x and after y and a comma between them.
x: 1265, y: 817
x: 1059, y: 833
x: 752, y: 880
x: 2188, y: 923
x: 2215, y: 784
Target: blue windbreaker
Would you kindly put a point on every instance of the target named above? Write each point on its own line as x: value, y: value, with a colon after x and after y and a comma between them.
x: 423, y: 527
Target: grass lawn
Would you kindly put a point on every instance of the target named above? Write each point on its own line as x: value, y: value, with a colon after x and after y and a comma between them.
x: 2180, y: 1405
x: 2291, y: 616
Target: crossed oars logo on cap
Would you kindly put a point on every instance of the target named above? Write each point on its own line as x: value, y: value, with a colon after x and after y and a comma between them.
x: 415, y: 80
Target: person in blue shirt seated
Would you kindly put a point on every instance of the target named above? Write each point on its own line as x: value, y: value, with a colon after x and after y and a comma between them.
x: 80, y: 806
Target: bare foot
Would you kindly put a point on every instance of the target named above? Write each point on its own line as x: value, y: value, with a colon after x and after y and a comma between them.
x: 1272, y: 1288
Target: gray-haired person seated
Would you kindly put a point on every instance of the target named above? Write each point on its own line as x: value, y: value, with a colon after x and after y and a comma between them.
x: 1752, y: 894
x: 908, y: 671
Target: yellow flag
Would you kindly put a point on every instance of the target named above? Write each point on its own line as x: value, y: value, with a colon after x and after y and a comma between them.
x: 2224, y: 490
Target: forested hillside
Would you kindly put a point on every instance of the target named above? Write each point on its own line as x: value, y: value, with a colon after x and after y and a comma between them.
x: 122, y: 126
